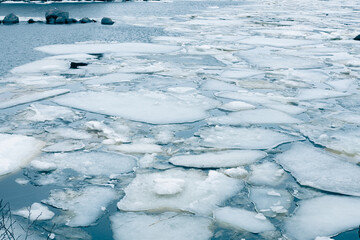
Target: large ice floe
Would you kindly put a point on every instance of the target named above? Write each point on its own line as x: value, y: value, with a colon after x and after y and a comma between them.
x: 323, y: 216
x: 316, y: 168
x: 155, y: 106
x: 177, y: 226
x: 175, y: 189
x: 16, y: 151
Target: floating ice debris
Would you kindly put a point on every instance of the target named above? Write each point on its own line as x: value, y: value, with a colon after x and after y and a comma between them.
x: 92, y: 163
x: 37, y: 212
x: 112, y: 78
x: 241, y: 219
x: 243, y: 73
x: 43, y: 166
x: 31, y: 97
x: 257, y: 116
x: 315, y: 168
x: 83, y: 207
x: 244, y: 138
x: 69, y: 133
x: 40, y: 112
x: 323, y: 216
x: 255, y: 97
x: 219, y: 86
x: 113, y: 136
x: 22, y: 181
x: 16, y: 151
x: 275, y: 42
x: 312, y: 94
x: 38, y: 81
x: 46, y: 65
x: 287, y: 108
x: 65, y: 146
x: 270, y: 201
x: 231, y: 158
x: 123, y: 48
x: 147, y: 161
x: 238, y: 172
x: 155, y: 106
x: 192, y: 190
x: 137, y: 148
x: 237, y: 106
x: 165, y: 226
x: 266, y: 173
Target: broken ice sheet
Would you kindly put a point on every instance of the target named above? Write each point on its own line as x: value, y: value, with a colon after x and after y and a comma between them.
x: 316, y: 168
x: 143, y: 106
x: 237, y: 106
x: 242, y: 219
x: 231, y: 158
x: 64, y: 146
x: 221, y: 137
x: 38, y: 112
x: 323, y: 216
x: 313, y: 94
x: 257, y: 116
x: 165, y: 226
x: 36, y: 211
x: 267, y: 173
x: 16, y: 151
x: 191, y: 191
x: 111, y: 78
x: 43, y: 66
x: 82, y: 207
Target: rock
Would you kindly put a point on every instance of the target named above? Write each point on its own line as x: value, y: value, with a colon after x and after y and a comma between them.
x: 357, y: 38
x: 11, y: 19
x: 71, y: 20
x: 31, y: 21
x: 52, y: 14
x: 60, y: 20
x: 107, y: 21
x: 85, y: 20
x: 75, y: 65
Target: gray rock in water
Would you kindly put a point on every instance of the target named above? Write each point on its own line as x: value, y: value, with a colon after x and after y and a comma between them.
x: 10, y: 19
x: 31, y: 21
x: 85, y: 20
x: 71, y: 20
x: 60, y: 20
x: 357, y: 38
x: 52, y: 14
x: 107, y: 21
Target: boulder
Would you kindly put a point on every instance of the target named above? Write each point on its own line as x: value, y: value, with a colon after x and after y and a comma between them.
x: 60, y: 20
x: 357, y: 38
x: 52, y: 14
x: 31, y: 21
x: 75, y: 65
x: 11, y: 19
x: 107, y: 21
x: 85, y: 20
x: 71, y: 20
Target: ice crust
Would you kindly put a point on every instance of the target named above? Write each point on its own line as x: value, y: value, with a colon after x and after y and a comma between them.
x: 315, y: 168
x: 141, y: 226
x: 323, y: 216
x: 16, y: 151
x: 191, y: 191
x: 155, y: 105
x: 230, y: 158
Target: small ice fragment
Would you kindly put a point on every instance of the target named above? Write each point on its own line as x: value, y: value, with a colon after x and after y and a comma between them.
x: 21, y: 181
x: 238, y: 172
x: 266, y: 173
x: 43, y: 166
x: 37, y: 211
x: 237, y: 106
x: 168, y: 186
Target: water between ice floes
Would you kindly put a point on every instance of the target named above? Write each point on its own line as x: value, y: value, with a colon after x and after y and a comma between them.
x: 192, y: 120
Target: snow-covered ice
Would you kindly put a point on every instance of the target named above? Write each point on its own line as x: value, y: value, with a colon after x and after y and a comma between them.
x: 266, y: 173
x: 36, y: 211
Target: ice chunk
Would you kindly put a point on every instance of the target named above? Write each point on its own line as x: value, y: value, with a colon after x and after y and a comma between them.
x: 46, y: 65
x: 112, y: 78
x: 323, y: 216
x: 238, y: 172
x: 255, y: 97
x: 31, y: 97
x: 238, y: 74
x: 245, y: 138
x: 257, y: 116
x: 37, y: 211
x: 275, y: 42
x: 312, y: 94
x: 137, y: 148
x: 92, y: 163
x: 165, y: 226
x: 108, y: 132
x: 123, y: 48
x: 40, y: 112
x: 231, y: 158
x: 237, y: 106
x: 16, y: 151
x: 219, y: 86
x: 196, y: 192
x: 143, y: 106
x: 65, y: 146
x: 315, y: 168
x: 43, y: 166
x: 69, y: 133
x: 84, y: 206
x: 266, y: 173
x: 270, y: 201
x: 168, y: 186
x: 241, y: 219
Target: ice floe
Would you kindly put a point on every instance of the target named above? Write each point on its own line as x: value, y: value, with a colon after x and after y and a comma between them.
x: 40, y: 112
x: 242, y: 219
x: 191, y: 191
x: 16, y: 151
x: 323, y: 216
x: 36, y: 211
x: 313, y: 94
x: 266, y: 173
x: 141, y: 226
x: 316, y: 168
x: 155, y: 106
x: 237, y: 106
x: 231, y: 158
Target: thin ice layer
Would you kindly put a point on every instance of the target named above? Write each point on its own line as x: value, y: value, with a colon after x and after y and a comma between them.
x: 242, y: 219
x: 191, y: 191
x: 244, y: 138
x: 143, y: 106
x: 315, y: 168
x: 323, y: 216
x: 82, y: 206
x: 16, y: 151
x: 165, y: 226
x: 231, y: 158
